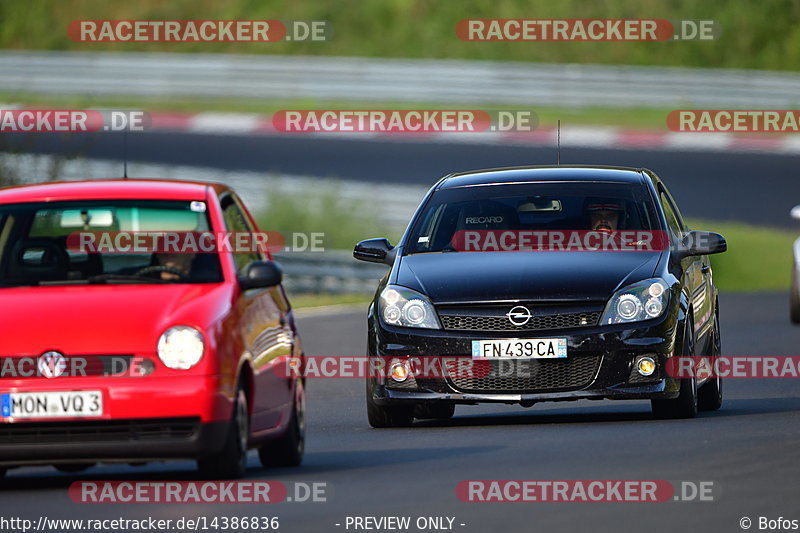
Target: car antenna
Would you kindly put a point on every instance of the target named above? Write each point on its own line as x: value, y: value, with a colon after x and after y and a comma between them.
x: 558, y: 144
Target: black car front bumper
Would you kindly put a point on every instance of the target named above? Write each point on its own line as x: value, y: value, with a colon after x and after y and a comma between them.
x: 600, y: 364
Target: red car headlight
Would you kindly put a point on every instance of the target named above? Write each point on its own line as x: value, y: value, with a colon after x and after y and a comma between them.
x: 181, y: 347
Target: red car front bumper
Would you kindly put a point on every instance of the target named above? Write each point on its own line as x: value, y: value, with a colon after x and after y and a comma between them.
x: 144, y: 418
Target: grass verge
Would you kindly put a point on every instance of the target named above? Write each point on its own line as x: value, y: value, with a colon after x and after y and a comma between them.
x: 758, y: 258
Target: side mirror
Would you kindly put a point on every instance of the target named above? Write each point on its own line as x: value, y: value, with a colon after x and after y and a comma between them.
x: 703, y: 243
x: 375, y: 251
x: 260, y: 275
x: 795, y: 212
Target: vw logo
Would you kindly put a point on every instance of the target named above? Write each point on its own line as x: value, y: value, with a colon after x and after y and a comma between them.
x: 51, y: 364
x: 519, y: 315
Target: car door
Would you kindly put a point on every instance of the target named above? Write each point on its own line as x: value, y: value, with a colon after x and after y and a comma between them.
x: 697, y: 269
x: 263, y: 328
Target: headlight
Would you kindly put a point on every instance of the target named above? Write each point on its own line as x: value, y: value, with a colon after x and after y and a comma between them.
x: 403, y: 307
x: 181, y: 347
x: 640, y: 301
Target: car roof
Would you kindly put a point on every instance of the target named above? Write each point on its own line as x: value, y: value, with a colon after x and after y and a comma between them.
x: 114, y: 189
x: 541, y: 173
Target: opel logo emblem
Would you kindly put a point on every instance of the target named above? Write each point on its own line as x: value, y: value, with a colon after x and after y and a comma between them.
x: 51, y: 364
x: 519, y: 315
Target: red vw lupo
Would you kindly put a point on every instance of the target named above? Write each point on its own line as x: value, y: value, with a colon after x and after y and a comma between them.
x: 136, y: 357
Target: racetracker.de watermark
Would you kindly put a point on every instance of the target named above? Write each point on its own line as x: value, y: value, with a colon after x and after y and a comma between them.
x: 198, y: 31
x: 585, y: 490
x: 734, y: 366
x: 557, y: 241
x: 72, y: 120
x: 591, y: 30
x: 404, y: 120
x: 734, y: 120
x: 193, y: 242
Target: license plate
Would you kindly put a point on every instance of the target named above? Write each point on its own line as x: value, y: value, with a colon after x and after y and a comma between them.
x: 51, y: 404
x: 520, y: 349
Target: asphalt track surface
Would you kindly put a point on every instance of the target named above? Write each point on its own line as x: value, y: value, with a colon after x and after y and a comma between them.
x: 759, y: 188
x: 749, y: 449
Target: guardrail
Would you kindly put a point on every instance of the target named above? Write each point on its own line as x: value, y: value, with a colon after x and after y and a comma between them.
x: 329, y: 272
x: 401, y: 80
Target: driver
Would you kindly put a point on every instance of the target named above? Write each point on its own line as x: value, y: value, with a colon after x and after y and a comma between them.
x: 604, y: 214
x: 180, y: 264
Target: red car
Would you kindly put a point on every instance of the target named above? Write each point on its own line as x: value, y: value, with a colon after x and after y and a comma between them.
x: 131, y: 356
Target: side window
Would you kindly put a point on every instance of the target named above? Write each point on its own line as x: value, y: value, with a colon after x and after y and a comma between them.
x: 673, y: 224
x: 235, y: 221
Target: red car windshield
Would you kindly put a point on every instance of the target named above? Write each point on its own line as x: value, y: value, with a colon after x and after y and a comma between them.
x: 82, y: 242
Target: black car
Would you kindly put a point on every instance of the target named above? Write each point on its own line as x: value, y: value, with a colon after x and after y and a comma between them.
x: 543, y: 322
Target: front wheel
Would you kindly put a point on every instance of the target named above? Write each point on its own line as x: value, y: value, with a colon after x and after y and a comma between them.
x: 685, y: 405
x: 289, y: 448
x: 387, y: 416
x: 231, y: 462
x: 709, y: 397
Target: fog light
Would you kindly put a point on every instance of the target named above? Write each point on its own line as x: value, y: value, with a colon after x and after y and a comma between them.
x: 399, y: 372
x: 646, y: 366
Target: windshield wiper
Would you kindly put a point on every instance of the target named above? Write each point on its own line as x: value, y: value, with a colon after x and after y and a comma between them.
x: 132, y: 278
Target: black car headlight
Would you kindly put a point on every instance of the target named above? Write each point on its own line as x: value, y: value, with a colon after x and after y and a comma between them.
x: 641, y: 301
x: 399, y: 306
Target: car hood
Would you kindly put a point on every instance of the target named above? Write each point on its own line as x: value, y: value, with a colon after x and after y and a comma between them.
x: 103, y: 319
x: 492, y: 276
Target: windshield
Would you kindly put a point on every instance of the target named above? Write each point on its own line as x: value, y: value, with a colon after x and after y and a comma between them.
x: 572, y: 206
x: 35, y: 243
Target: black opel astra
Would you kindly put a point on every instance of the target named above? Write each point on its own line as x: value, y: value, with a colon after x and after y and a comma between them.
x: 532, y: 284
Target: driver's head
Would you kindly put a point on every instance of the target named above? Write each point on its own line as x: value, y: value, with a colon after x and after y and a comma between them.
x: 180, y: 262
x: 604, y: 215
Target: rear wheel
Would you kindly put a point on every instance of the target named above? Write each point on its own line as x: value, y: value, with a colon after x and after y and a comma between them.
x: 709, y: 397
x: 231, y: 462
x: 387, y: 416
x: 795, y: 298
x: 289, y: 448
x: 685, y: 405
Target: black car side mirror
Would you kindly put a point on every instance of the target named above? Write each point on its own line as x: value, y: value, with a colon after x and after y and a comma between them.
x: 703, y: 243
x: 260, y: 275
x: 375, y: 251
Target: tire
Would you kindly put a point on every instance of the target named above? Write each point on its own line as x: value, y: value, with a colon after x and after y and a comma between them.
x: 289, y: 448
x: 685, y: 405
x: 387, y: 416
x: 709, y: 397
x: 435, y: 411
x: 71, y: 468
x: 231, y: 462
x: 795, y: 297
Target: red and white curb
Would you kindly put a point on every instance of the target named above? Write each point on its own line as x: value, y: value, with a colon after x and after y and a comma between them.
x: 579, y: 136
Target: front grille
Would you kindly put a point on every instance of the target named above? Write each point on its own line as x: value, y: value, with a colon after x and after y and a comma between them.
x: 502, y: 323
x: 530, y: 376
x: 98, y: 431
